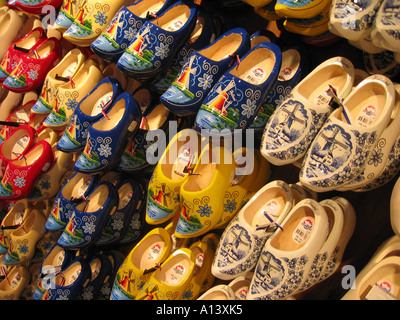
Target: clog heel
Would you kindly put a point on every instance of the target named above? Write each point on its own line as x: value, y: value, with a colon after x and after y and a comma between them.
x: 170, y: 281
x: 146, y: 257
x: 201, y: 204
x: 171, y: 171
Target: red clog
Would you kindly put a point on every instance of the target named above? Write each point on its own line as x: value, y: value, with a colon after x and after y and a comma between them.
x: 19, y: 48
x: 33, y: 66
x: 36, y: 8
x: 20, y: 175
x: 18, y: 142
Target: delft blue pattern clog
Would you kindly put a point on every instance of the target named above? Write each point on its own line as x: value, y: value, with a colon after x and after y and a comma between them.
x: 67, y: 198
x: 107, y: 136
x: 71, y: 279
x: 124, y: 26
x: 89, y: 217
x: 297, y: 119
x: 202, y: 70
x: 236, y: 99
x: 117, y: 225
x: 293, y: 69
x: 201, y: 37
x: 158, y: 41
x: 88, y: 111
x: 340, y: 150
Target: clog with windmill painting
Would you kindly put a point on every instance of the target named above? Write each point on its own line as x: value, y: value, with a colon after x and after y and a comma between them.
x: 340, y: 150
x: 108, y: 136
x: 63, y: 72
x: 32, y: 68
x: 171, y: 279
x: 92, y: 18
x: 202, y: 70
x: 89, y: 217
x: 66, y: 15
x: 123, y: 27
x: 243, y: 239
x: 89, y: 110
x: 77, y: 187
x: 171, y: 171
x: 300, y: 9
x: 200, y: 195
x: 146, y: 257
x: 297, y: 119
x: 157, y: 41
x: 236, y: 98
x: 72, y: 92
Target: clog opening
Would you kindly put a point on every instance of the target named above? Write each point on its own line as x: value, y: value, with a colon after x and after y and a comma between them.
x: 387, y: 274
x: 43, y: 50
x: 114, y: 117
x: 76, y: 186
x: 290, y: 64
x: 223, y: 48
x: 37, y: 120
x: 259, y: 39
x: 198, y: 30
x: 15, y: 144
x: 175, y: 157
x: 29, y: 41
x: 31, y: 156
x: 316, y: 85
x: 15, y: 215
x: 66, y: 68
x: 12, y: 281
x: 174, y: 19
x: 4, y: 24
x: 96, y: 200
x: 141, y: 8
x: 175, y: 270
x: 70, y: 275
x: 27, y: 225
x: 296, y: 230
x: 256, y: 67
x: 143, y: 98
x: 156, y: 118
x: 92, y: 104
x: 149, y: 252
x: 95, y: 267
x: 54, y: 259
x: 366, y: 104
x: 82, y: 76
x: 271, y: 202
x: 125, y: 193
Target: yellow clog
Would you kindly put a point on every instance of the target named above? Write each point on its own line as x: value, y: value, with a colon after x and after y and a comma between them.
x: 15, y: 283
x: 300, y: 9
x: 140, y: 264
x: 170, y: 281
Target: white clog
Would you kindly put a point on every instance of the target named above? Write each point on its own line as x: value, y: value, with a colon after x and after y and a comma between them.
x: 353, y: 20
x: 379, y: 156
x: 219, y: 292
x: 244, y: 237
x: 240, y: 285
x: 385, y: 33
x: 287, y: 256
x: 366, y: 45
x: 340, y: 150
x: 381, y: 282
x: 296, y: 121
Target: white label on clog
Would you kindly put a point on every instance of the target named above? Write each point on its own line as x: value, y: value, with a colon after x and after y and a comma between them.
x: 241, y: 293
x: 175, y: 25
x: 303, y: 230
x: 15, y: 280
x: 153, y: 253
x: 82, y: 189
x: 176, y: 273
x: 59, y: 258
x: 20, y: 145
x: 255, y: 76
x: 199, y: 262
x: 132, y: 126
x: 381, y: 291
x: 18, y: 218
x: 126, y: 199
x: 324, y: 98
x: 74, y: 276
x: 69, y: 71
x: 285, y: 74
x: 367, y: 116
x: 182, y: 162
x: 101, y: 103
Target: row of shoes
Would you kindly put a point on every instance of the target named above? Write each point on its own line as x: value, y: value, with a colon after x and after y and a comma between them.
x: 342, y: 137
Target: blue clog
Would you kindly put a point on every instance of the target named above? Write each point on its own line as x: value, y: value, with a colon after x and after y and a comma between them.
x: 118, y: 223
x: 70, y: 281
x: 261, y: 36
x: 88, y: 111
x: 236, y: 99
x: 101, y: 268
x: 69, y: 195
x: 155, y: 117
x: 108, y: 136
x: 158, y: 41
x: 122, y: 29
x: 89, y: 217
x: 202, y: 35
x: 116, y: 259
x: 202, y: 70
x: 293, y: 68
